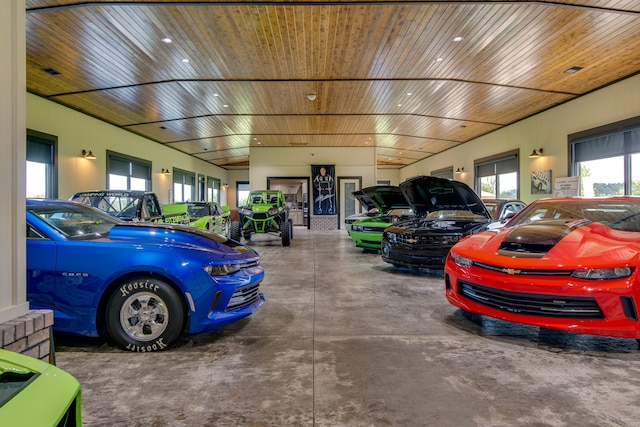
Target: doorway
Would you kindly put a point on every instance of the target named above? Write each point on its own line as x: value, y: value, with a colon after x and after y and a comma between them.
x: 349, y: 205
x: 296, y: 193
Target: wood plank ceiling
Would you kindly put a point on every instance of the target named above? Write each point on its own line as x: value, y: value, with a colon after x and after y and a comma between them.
x: 411, y: 78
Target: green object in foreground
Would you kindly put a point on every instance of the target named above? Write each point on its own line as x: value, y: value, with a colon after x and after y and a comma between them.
x: 37, y: 394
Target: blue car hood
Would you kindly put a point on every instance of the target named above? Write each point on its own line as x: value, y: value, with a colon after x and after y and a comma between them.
x: 179, y: 236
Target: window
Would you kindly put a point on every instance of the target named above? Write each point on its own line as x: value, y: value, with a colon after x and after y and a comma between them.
x: 242, y: 192
x: 184, y: 186
x: 607, y: 159
x: 41, y: 176
x: 443, y: 173
x: 127, y: 173
x: 213, y: 189
x: 497, y: 176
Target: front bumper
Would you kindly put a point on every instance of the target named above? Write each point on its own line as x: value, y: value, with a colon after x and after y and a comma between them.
x: 606, y: 308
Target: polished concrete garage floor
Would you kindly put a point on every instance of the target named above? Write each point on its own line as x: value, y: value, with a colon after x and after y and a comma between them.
x: 346, y: 340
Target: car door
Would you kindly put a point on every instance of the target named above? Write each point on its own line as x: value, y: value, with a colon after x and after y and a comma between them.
x: 41, y: 269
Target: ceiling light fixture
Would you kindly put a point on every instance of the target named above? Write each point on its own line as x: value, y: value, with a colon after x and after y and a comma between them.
x: 573, y: 70
x: 166, y: 40
x: 457, y: 39
x: 535, y: 153
x: 88, y: 155
x: 311, y: 96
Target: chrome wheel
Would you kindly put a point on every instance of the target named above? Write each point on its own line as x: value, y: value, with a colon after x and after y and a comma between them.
x: 144, y: 316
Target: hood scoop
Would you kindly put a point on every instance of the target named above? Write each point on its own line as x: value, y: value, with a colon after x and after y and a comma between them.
x: 535, y: 239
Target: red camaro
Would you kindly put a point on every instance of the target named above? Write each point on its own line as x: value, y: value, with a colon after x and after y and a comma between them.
x: 569, y: 264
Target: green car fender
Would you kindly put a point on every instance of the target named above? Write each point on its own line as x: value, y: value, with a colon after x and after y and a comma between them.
x: 36, y: 393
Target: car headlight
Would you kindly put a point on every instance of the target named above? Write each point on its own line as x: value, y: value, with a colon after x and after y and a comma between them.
x: 356, y: 227
x: 221, y: 270
x: 460, y: 260
x: 603, y: 273
x: 391, y: 237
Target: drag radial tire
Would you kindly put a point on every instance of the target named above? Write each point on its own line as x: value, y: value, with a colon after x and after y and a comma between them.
x: 234, y: 231
x: 285, y: 232
x: 145, y: 314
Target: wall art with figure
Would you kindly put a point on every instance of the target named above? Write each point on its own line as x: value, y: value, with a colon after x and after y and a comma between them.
x: 324, y: 189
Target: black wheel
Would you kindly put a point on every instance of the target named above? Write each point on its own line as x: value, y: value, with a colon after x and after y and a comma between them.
x: 285, y: 230
x: 290, y: 221
x: 234, y: 231
x: 145, y: 314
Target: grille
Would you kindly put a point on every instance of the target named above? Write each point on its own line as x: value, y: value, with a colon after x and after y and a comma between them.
x: 260, y: 215
x: 431, y: 240
x: 523, y: 272
x: 417, y: 260
x: 557, y: 306
x: 373, y: 229
x: 244, y: 296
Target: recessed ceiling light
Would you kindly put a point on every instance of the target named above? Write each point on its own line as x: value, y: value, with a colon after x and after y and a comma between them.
x: 457, y: 39
x: 167, y: 40
x: 225, y: 105
x: 185, y: 60
x: 439, y: 59
x: 573, y: 70
x: 215, y: 94
x: 409, y: 94
x: 51, y: 71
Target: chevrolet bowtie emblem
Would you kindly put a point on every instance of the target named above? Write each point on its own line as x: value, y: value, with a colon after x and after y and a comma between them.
x: 511, y: 271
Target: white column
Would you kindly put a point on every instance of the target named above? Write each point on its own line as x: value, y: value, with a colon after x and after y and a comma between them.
x: 13, y: 288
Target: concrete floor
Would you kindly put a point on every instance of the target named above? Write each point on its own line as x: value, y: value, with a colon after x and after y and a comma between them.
x: 344, y: 339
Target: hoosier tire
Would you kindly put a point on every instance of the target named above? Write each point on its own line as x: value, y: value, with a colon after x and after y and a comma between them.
x: 144, y: 315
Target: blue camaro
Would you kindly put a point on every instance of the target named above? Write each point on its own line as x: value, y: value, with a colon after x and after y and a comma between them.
x: 141, y: 284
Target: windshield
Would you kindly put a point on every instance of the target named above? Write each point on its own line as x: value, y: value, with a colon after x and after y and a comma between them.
x: 456, y: 214
x: 198, y: 211
x: 121, y: 206
x: 76, y: 221
x: 615, y: 214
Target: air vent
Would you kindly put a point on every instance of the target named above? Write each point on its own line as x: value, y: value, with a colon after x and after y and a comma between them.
x: 299, y: 144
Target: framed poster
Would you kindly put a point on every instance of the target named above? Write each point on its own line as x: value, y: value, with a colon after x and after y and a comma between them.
x: 324, y: 194
x: 541, y: 182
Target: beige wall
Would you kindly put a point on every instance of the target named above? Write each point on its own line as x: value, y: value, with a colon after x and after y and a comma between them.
x: 76, y: 131
x: 547, y: 130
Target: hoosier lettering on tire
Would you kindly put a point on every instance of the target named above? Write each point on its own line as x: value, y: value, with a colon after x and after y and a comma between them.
x: 145, y: 314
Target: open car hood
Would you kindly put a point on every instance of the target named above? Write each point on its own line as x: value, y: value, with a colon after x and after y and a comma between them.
x: 429, y: 193
x: 383, y: 197
x: 363, y: 199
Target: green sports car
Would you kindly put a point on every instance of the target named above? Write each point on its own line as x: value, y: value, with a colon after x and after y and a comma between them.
x: 36, y: 394
x: 367, y: 233
x: 208, y: 215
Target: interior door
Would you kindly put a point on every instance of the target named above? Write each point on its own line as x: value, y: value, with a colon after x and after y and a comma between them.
x: 349, y: 205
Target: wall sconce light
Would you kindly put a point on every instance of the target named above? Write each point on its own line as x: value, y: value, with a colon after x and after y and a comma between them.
x: 165, y: 171
x: 535, y: 153
x: 225, y: 185
x: 88, y: 155
x: 459, y: 171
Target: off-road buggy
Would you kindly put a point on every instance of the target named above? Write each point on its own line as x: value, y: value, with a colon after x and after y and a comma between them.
x: 265, y: 212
